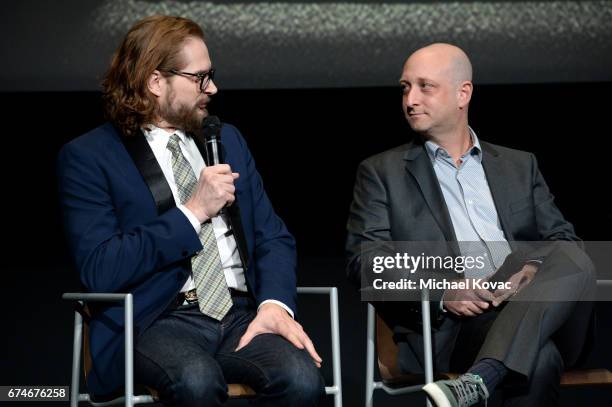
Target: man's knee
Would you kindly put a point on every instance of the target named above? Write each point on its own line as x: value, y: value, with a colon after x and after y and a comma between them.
x: 199, y: 383
x: 299, y: 380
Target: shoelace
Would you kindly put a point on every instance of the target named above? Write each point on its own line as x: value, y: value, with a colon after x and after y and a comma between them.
x: 469, y: 389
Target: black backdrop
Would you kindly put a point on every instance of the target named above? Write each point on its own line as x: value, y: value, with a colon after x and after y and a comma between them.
x: 307, y: 144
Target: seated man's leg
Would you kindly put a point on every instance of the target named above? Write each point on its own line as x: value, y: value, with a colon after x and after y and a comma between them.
x: 542, y: 309
x: 544, y: 385
x: 575, y: 348
x: 280, y: 373
x: 410, y: 346
x: 557, y: 300
x: 174, y: 357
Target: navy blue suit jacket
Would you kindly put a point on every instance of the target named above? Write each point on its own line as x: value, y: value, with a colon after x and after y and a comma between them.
x: 120, y: 242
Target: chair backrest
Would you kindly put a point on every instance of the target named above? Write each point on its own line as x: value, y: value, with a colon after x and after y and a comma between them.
x: 386, y: 350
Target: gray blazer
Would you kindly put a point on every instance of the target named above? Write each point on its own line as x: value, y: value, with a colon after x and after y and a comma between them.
x: 397, y: 197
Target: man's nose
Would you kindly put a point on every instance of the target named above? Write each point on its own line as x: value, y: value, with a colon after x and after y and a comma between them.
x: 411, y: 98
x: 211, y: 88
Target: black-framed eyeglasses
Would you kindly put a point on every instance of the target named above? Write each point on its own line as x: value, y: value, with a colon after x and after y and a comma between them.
x: 203, y: 77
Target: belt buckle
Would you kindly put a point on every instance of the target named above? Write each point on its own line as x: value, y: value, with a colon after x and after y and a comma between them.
x: 191, y: 296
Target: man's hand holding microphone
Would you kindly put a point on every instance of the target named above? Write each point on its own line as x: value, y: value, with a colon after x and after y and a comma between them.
x: 214, y: 191
x: 215, y: 188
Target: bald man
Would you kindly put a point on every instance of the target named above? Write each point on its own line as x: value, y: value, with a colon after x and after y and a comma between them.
x: 448, y: 185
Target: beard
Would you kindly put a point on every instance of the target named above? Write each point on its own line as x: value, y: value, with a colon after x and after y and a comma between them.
x: 184, y: 117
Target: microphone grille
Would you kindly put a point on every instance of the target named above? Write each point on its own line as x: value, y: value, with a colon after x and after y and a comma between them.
x: 211, y: 127
x: 211, y: 121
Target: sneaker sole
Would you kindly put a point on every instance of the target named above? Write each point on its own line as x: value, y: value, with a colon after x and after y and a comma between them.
x: 436, y: 395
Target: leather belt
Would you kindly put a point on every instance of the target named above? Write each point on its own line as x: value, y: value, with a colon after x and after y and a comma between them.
x: 191, y: 297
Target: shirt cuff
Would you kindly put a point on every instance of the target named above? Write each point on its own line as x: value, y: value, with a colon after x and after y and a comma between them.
x: 192, y: 218
x: 280, y: 304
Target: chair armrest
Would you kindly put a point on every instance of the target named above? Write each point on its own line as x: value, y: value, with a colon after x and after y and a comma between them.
x: 127, y: 300
x: 427, y: 347
x: 102, y: 297
x: 336, y: 388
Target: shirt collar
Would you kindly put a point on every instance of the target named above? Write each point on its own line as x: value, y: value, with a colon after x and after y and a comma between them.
x: 155, y: 134
x: 433, y: 149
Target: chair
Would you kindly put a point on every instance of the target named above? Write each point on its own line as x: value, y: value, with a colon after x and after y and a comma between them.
x: 393, y: 382
x: 129, y: 399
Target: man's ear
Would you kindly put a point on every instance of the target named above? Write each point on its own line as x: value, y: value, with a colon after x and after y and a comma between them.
x: 156, y: 83
x: 465, y: 94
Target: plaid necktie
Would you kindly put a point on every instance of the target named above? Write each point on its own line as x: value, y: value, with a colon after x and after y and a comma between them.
x: 213, y: 295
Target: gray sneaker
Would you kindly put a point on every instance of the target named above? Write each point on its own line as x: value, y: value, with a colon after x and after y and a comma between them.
x: 466, y: 390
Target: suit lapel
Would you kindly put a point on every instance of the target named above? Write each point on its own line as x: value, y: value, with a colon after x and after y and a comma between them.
x: 498, y: 175
x: 233, y: 212
x: 418, y: 164
x: 146, y: 163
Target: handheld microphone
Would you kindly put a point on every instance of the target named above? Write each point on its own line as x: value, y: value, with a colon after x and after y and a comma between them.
x: 211, y: 129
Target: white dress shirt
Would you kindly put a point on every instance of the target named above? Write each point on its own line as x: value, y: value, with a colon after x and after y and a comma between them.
x: 228, y: 249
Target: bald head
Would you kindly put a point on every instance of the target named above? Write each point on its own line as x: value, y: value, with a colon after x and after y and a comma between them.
x: 446, y: 59
x: 437, y: 88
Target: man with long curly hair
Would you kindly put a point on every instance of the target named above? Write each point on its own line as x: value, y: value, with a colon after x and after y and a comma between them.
x: 214, y: 292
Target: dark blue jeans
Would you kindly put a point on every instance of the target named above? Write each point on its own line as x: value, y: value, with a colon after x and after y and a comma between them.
x: 189, y: 358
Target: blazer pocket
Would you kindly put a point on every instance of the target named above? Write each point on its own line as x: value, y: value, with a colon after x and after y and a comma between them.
x: 521, y: 204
